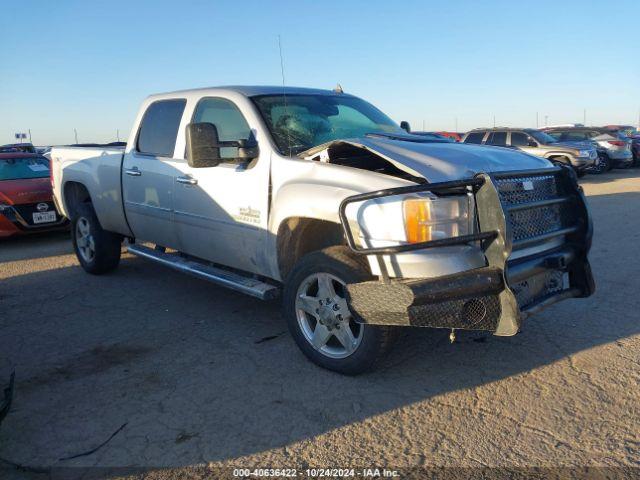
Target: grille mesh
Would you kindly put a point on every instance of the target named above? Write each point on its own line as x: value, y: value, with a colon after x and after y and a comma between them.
x: 26, y: 210
x: 531, y: 222
x: 512, y: 190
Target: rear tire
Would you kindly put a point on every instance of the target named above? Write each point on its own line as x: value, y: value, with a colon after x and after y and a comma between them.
x: 319, y: 327
x: 98, y: 251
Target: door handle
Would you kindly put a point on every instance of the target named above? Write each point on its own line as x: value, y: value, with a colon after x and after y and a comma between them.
x: 134, y: 172
x: 187, y: 180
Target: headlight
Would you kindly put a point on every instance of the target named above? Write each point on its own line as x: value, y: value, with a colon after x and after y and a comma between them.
x: 415, y: 218
x: 427, y: 219
x: 584, y: 153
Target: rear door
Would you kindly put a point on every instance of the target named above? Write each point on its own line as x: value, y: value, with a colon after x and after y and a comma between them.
x: 148, y: 173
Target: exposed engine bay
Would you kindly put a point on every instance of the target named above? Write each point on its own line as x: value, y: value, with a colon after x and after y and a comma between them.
x: 355, y: 156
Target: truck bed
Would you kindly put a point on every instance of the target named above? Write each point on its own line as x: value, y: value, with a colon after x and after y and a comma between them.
x: 97, y: 169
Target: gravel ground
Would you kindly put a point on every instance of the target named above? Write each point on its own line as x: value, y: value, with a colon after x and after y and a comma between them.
x: 201, y: 376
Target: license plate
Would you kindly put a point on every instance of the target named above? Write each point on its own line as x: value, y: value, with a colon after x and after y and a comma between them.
x: 44, y: 217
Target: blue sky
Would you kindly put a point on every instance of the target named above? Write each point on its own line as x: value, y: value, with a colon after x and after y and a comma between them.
x: 88, y: 64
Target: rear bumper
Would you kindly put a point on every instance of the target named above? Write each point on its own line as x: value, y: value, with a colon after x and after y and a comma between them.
x: 510, y: 288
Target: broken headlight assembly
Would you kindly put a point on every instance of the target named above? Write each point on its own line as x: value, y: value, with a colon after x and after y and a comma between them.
x: 407, y: 219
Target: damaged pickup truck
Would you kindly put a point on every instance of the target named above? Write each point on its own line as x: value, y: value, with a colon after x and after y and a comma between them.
x: 318, y: 197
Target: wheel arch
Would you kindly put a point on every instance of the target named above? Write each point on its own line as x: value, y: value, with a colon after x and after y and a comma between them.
x: 298, y: 236
x: 74, y: 193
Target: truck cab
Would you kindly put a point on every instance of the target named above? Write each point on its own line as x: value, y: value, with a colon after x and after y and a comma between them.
x: 319, y: 198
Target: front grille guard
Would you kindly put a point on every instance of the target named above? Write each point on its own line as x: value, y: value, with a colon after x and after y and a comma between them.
x: 495, y: 235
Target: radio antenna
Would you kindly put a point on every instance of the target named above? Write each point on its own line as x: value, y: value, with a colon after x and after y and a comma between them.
x: 284, y: 92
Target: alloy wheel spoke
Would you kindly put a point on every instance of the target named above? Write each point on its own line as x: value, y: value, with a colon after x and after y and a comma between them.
x: 325, y: 286
x: 345, y: 337
x: 308, y: 304
x: 321, y: 336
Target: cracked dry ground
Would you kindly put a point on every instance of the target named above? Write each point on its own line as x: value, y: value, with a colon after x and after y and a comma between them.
x: 182, y: 363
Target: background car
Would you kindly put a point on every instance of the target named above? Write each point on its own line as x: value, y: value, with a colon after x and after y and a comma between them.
x: 614, y: 149
x: 632, y: 134
x: 579, y: 155
x: 26, y: 200
x: 18, y: 147
x: 453, y: 135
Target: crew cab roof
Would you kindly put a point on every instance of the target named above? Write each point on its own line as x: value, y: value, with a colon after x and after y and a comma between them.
x: 253, y: 91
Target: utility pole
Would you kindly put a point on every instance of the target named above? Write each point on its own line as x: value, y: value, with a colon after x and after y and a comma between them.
x: 584, y: 117
x: 546, y: 120
x: 537, y: 122
x: 456, y: 125
x: 30, y: 141
x: 423, y: 124
x: 118, y: 134
x: 75, y: 133
x: 494, y: 121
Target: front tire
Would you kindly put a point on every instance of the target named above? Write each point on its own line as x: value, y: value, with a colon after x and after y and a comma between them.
x: 98, y: 251
x: 318, y: 315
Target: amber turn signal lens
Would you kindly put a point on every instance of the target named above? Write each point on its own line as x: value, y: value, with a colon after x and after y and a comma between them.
x: 417, y: 218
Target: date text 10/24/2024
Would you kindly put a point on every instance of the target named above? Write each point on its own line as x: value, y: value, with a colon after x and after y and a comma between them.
x: 316, y: 473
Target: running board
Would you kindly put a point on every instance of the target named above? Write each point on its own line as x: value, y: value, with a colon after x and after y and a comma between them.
x: 217, y: 275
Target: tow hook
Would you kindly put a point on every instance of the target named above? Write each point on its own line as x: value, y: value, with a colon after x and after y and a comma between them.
x: 452, y: 335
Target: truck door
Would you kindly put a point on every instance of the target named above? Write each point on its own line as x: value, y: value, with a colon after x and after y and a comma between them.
x: 148, y: 173
x: 221, y: 212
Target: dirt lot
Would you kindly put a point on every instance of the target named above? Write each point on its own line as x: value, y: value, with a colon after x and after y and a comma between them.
x: 201, y: 375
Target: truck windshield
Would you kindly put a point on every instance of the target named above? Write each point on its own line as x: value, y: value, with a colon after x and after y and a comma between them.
x: 300, y: 122
x: 23, y: 168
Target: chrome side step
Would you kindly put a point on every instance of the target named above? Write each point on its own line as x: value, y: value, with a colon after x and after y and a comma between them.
x: 219, y: 276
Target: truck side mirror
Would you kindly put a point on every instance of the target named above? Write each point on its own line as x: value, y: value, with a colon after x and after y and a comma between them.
x: 405, y: 126
x: 532, y: 143
x: 203, y: 148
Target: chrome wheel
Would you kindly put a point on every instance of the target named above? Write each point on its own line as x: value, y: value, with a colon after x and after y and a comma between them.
x: 324, y: 317
x: 84, y: 240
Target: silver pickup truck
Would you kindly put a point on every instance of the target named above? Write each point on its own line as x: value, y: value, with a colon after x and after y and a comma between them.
x: 318, y: 197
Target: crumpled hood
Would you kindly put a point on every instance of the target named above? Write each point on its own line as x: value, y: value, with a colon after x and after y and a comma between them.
x: 440, y: 162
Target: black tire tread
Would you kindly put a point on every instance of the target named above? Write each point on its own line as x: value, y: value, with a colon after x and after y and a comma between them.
x: 337, y: 257
x: 108, y: 244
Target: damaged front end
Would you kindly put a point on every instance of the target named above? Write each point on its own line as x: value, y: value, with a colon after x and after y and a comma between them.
x: 535, y: 231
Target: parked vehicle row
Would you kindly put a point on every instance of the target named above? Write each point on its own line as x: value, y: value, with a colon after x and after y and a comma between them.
x: 320, y: 198
x: 614, y: 150
x: 578, y: 155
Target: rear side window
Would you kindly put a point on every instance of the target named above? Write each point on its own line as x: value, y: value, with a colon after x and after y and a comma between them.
x: 159, y: 127
x: 474, y: 137
x: 499, y: 139
x: 519, y: 139
x: 23, y: 168
x: 574, y: 136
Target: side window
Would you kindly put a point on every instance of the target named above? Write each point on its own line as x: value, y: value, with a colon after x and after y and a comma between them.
x: 572, y: 136
x: 474, y: 137
x: 159, y: 127
x: 228, y: 119
x: 499, y: 139
x: 519, y: 139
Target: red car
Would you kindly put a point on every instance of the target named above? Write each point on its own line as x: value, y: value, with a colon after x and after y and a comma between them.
x: 26, y: 201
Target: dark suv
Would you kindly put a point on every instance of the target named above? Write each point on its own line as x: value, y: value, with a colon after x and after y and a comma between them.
x: 580, y: 156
